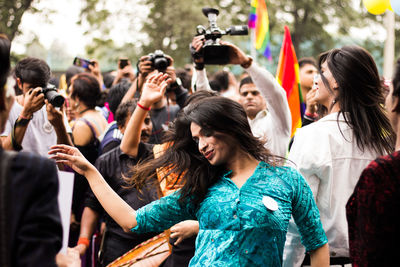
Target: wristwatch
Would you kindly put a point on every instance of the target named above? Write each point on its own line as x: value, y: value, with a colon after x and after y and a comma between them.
x: 22, y: 121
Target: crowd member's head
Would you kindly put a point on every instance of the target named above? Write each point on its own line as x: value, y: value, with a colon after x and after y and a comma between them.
x: 85, y: 92
x: 124, y: 112
x: 108, y: 80
x: 116, y: 94
x: 185, y: 76
x: 392, y: 100
x: 222, y: 77
x: 308, y: 69
x: 71, y: 72
x: 251, y: 98
x: 31, y: 73
x: 5, y: 102
x: 206, y: 136
x: 349, y: 82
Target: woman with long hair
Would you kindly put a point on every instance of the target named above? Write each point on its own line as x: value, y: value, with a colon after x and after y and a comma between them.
x: 332, y: 152
x: 372, y: 210
x: 239, y: 193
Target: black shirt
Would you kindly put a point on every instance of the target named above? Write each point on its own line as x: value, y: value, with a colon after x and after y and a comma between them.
x: 113, y: 166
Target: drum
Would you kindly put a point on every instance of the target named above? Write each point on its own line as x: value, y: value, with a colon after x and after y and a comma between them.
x: 150, y: 253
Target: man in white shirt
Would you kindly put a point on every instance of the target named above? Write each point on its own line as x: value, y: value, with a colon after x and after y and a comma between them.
x: 263, y: 99
x: 34, y: 124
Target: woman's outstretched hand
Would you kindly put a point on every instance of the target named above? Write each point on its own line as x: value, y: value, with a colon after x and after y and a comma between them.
x: 71, y: 157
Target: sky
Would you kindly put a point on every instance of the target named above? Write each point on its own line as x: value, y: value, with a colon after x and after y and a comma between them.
x: 61, y: 25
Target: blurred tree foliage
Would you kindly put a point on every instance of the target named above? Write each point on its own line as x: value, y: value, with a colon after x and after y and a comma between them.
x: 11, y: 12
x: 171, y: 24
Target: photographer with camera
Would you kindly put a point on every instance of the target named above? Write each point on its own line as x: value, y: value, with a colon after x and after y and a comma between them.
x: 34, y: 124
x: 161, y: 112
x: 263, y: 99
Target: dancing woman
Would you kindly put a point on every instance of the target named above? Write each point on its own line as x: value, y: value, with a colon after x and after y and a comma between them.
x: 239, y: 193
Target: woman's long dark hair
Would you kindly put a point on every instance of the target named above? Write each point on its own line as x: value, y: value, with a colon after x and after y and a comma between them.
x: 216, y: 115
x: 360, y: 96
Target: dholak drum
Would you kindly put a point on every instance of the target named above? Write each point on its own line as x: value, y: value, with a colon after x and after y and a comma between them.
x: 150, y: 253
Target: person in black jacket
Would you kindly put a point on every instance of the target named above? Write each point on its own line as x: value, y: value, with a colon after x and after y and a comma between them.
x: 30, y: 223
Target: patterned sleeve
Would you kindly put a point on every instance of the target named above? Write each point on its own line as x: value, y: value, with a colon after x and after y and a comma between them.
x: 306, y: 215
x: 162, y: 214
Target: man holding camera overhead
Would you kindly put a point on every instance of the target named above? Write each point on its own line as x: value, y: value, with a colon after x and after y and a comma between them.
x: 261, y: 96
x: 34, y: 124
x: 162, y: 113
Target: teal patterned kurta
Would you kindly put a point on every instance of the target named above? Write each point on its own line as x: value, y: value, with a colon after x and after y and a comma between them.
x: 236, y: 228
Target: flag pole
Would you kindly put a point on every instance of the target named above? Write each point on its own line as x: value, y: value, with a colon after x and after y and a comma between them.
x: 388, y: 53
x: 253, y: 51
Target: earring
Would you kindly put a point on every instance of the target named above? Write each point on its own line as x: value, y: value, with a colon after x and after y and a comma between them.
x: 76, y: 105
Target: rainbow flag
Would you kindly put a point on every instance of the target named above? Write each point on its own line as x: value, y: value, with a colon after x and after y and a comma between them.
x: 288, y: 77
x: 259, y: 21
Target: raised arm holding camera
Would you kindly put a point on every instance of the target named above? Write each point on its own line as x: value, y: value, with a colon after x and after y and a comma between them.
x: 161, y: 112
x: 263, y: 99
x: 34, y: 124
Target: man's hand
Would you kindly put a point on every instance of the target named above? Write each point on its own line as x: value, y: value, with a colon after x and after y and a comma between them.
x: 171, y: 73
x: 54, y: 116
x: 145, y: 66
x: 236, y: 55
x: 33, y: 101
x: 311, y: 103
x: 125, y: 72
x: 195, y: 47
x: 184, y: 230
x: 81, y: 248
x: 95, y: 70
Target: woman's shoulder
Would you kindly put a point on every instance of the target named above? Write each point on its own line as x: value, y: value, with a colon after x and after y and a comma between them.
x: 280, y: 170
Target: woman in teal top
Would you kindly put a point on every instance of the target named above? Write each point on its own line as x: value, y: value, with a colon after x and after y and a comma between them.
x: 237, y: 191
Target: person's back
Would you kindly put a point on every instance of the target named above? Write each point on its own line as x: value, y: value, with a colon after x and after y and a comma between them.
x: 30, y: 224
x: 30, y: 213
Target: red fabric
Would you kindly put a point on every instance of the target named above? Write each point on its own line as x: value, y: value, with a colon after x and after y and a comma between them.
x: 373, y: 214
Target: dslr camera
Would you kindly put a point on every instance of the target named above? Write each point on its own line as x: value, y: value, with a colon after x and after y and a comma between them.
x: 213, y: 52
x: 51, y: 94
x: 159, y: 61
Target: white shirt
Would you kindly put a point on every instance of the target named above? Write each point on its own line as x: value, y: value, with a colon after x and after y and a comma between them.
x: 273, y: 126
x: 40, y: 134
x: 331, y: 162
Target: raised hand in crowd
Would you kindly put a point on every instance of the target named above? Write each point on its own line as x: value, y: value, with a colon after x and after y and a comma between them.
x: 124, y: 72
x: 311, y: 102
x: 94, y: 68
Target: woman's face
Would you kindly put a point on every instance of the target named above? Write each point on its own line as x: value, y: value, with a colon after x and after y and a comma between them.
x: 214, y: 147
x: 390, y: 104
x: 323, y: 95
x: 73, y: 102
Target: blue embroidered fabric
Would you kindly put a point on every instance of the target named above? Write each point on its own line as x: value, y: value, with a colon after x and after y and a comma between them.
x: 236, y: 228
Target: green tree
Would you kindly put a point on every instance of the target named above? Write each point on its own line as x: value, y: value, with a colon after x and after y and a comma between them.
x: 11, y: 12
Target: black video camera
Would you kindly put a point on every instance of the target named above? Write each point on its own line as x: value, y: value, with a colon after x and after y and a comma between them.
x: 213, y: 52
x: 159, y: 61
x: 51, y: 94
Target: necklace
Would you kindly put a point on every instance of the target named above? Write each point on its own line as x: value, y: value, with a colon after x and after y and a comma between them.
x: 83, y: 111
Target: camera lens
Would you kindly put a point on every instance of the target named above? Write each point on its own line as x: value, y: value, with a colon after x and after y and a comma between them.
x: 161, y: 63
x: 54, y: 98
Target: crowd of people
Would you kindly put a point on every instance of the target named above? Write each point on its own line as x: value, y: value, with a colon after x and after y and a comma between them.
x: 205, y: 161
